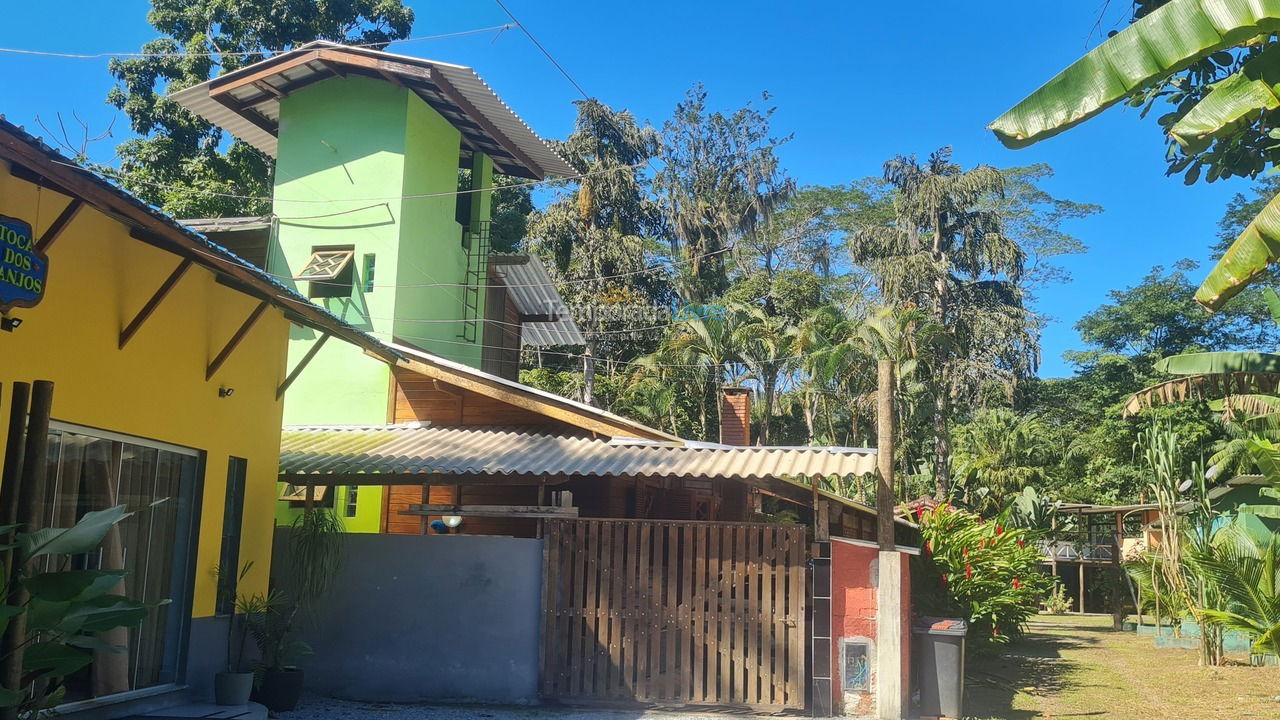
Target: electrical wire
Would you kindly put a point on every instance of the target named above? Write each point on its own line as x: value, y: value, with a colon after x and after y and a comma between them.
x: 538, y: 45
x: 486, y: 286
x: 119, y: 178
x: 242, y: 53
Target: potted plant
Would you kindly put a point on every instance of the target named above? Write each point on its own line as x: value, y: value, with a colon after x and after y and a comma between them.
x: 233, y: 686
x: 315, y: 553
x: 279, y: 680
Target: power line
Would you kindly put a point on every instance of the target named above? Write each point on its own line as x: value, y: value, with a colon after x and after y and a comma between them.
x: 116, y: 176
x: 537, y: 44
x: 240, y: 53
x: 486, y: 286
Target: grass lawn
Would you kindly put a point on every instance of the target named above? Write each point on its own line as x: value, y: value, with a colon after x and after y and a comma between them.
x: 1072, y: 666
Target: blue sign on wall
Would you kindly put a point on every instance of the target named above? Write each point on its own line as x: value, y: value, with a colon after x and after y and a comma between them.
x: 23, y: 269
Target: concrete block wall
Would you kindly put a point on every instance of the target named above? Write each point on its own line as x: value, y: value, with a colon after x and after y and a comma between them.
x: 427, y: 618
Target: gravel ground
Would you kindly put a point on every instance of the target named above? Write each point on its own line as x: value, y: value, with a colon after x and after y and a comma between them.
x: 317, y: 708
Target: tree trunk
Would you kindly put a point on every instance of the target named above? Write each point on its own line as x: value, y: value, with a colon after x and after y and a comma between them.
x: 941, y: 438
x: 589, y: 374
x: 884, y: 459
x: 941, y: 450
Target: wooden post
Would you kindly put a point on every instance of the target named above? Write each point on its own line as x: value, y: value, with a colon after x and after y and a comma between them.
x: 11, y: 672
x: 884, y: 458
x: 1117, y: 577
x: 30, y: 493
x: 311, y: 499
x: 1082, y: 585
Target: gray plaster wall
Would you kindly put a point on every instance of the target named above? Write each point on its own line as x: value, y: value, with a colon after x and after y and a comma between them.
x: 427, y: 617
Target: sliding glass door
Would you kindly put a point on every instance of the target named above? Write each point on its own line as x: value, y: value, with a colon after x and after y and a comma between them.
x: 91, y: 470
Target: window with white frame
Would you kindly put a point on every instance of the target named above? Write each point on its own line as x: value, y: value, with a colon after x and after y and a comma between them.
x: 93, y: 470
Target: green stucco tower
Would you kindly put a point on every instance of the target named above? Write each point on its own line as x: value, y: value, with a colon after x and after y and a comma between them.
x: 366, y: 176
x: 372, y: 150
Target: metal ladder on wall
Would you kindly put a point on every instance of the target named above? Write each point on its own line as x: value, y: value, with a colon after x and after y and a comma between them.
x: 475, y: 241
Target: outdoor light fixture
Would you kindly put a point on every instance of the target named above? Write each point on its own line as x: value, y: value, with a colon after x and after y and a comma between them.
x: 9, y: 324
x: 452, y: 521
x: 225, y: 392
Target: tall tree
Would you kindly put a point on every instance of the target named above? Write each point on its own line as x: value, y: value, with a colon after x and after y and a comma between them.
x: 181, y: 162
x: 945, y: 251
x: 601, y: 234
x: 720, y: 182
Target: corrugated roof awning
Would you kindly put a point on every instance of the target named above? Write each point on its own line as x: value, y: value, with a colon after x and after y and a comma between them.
x: 416, y: 449
x: 416, y: 454
x: 536, y: 297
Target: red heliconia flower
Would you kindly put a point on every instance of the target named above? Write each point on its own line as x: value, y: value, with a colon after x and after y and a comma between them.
x: 944, y: 579
x: 1019, y: 542
x: 995, y: 630
x: 928, y: 546
x: 968, y: 571
x: 1017, y: 584
x: 966, y: 552
x: 999, y: 529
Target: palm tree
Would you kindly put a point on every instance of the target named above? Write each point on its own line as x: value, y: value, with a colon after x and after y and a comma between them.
x: 1001, y: 452
x: 945, y: 251
x: 763, y: 344
x: 1246, y: 572
x: 706, y: 340
x: 1165, y: 41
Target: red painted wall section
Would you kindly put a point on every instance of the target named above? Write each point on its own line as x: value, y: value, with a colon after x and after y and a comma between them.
x: 853, y: 616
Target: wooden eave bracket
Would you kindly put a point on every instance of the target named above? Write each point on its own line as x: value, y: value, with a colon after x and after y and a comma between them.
x: 235, y: 340
x: 302, y: 365
x: 59, y: 224
x: 154, y: 302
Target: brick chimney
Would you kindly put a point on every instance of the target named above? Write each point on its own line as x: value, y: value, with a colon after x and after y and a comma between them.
x: 735, y: 416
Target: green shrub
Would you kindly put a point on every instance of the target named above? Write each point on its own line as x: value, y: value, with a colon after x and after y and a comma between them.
x: 978, y: 570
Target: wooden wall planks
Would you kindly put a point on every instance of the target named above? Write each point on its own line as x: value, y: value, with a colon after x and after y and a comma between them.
x: 696, y: 613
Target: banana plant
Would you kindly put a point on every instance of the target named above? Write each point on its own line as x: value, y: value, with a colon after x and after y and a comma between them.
x: 1160, y: 44
x: 1238, y: 379
x: 65, y: 615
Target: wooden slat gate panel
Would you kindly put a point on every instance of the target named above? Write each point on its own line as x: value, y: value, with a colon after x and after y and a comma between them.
x: 698, y: 613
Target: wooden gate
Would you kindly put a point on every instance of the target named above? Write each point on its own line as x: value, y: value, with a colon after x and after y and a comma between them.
x: 674, y: 612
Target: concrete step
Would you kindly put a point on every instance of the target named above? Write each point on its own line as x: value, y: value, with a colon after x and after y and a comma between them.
x: 207, y: 711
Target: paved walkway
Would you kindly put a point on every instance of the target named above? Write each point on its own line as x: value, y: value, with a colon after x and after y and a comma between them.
x: 1078, y: 667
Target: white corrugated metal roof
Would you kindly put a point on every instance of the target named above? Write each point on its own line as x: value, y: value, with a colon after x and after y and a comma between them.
x: 467, y: 82
x: 534, y: 293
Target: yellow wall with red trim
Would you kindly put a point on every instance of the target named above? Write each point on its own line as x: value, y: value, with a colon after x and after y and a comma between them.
x: 155, y: 388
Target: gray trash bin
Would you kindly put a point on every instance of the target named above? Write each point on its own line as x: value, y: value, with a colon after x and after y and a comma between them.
x: 940, y: 654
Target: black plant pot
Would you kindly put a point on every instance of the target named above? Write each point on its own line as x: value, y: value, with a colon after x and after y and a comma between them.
x: 281, y: 689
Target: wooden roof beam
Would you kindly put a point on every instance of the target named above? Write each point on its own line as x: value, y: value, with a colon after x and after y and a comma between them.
x: 243, y: 110
x: 477, y: 117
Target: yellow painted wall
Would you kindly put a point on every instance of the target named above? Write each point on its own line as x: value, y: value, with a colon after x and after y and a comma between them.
x: 155, y: 388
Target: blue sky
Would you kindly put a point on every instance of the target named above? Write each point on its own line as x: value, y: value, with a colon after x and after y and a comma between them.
x: 855, y: 82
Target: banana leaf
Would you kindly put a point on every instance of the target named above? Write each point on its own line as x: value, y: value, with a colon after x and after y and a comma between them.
x: 1246, y: 406
x: 1163, y: 42
x: 1235, y: 101
x: 1273, y: 303
x: 1256, y: 248
x: 1219, y: 362
x: 1202, y: 387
